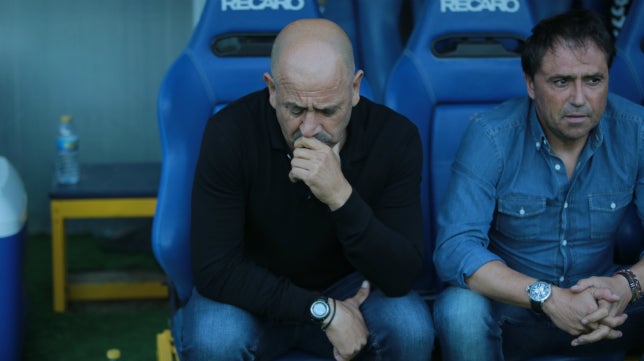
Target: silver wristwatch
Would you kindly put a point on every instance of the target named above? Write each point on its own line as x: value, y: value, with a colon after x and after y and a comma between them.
x: 539, y: 292
x: 319, y: 310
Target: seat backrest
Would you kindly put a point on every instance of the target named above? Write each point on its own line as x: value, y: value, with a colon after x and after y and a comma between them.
x: 545, y: 9
x: 627, y: 71
x: 461, y: 58
x: 225, y: 58
x: 375, y: 29
x: 627, y: 80
x: 381, y: 38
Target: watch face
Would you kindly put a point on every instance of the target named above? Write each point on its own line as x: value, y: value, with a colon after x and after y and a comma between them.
x: 319, y: 309
x: 539, y: 291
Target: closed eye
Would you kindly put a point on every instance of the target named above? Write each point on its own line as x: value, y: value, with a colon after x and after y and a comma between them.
x: 295, y: 110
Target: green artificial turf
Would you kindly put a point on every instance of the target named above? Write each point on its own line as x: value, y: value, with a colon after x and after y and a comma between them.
x: 88, y: 329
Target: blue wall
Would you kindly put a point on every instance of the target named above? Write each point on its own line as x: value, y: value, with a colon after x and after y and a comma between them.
x: 101, y: 61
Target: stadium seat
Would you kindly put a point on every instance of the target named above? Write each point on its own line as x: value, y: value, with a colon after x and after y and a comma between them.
x: 543, y: 9
x: 627, y: 72
x: 627, y: 80
x: 225, y: 58
x: 378, y: 30
x: 458, y: 61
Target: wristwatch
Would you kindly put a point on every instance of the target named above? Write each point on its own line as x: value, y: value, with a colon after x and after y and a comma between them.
x: 539, y: 292
x: 319, y: 310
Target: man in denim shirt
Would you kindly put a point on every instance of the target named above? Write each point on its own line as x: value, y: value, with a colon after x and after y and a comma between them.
x: 538, y: 189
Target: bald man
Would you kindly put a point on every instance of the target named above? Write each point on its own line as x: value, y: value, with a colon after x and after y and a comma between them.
x: 306, y: 220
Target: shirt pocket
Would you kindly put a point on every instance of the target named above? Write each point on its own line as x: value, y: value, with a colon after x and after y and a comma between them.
x: 521, y: 218
x: 606, y: 212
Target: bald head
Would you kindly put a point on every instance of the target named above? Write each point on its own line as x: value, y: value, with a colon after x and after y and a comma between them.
x: 312, y: 47
x: 312, y: 85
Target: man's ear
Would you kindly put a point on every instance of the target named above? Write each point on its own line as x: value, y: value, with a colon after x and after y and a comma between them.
x: 357, y: 79
x: 529, y: 83
x: 268, y: 79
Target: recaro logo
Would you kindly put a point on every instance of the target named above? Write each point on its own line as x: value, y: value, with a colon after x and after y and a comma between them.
x: 509, y: 6
x: 255, y: 5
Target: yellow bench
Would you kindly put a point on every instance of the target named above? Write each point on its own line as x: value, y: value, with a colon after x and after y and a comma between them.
x: 104, y: 191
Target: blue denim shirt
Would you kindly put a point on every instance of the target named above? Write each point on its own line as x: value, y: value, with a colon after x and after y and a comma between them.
x: 509, y: 197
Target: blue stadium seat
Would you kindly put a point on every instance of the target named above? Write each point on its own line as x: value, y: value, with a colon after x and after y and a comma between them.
x: 376, y: 29
x: 544, y: 9
x: 460, y: 61
x: 457, y: 62
x: 225, y: 58
x: 627, y: 80
x: 627, y: 72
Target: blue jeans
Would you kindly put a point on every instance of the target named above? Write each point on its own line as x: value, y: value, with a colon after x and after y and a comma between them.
x: 473, y: 327
x: 400, y: 328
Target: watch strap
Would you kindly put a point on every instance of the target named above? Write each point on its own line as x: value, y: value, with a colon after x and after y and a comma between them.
x: 536, y: 306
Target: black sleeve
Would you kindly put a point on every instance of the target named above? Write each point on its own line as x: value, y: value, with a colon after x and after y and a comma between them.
x: 382, y: 235
x: 220, y: 269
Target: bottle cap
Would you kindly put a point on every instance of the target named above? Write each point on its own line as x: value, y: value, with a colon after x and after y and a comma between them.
x: 113, y: 354
x: 65, y: 118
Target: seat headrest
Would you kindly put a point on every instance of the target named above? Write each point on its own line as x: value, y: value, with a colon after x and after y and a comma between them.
x: 463, y: 16
x: 632, y: 33
x: 627, y: 71
x: 459, y: 42
x: 220, y: 17
x: 445, y: 24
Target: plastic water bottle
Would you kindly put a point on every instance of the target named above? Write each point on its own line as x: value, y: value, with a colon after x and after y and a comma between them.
x: 113, y: 354
x: 67, y: 167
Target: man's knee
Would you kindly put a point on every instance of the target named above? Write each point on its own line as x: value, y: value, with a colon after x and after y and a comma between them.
x: 463, y: 313
x: 402, y: 325
x: 215, y: 331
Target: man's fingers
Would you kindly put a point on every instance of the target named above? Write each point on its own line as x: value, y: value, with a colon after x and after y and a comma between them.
x: 292, y: 177
x: 615, y: 321
x: 362, y: 293
x: 336, y: 149
x: 309, y: 142
x: 582, y: 285
x: 605, y: 294
x: 596, y: 316
x: 602, y: 332
x: 337, y: 356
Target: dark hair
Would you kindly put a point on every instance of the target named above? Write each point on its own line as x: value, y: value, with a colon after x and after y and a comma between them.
x: 573, y: 28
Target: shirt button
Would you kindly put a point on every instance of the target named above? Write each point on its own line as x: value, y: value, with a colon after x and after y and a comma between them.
x: 565, y: 204
x: 612, y: 205
x: 561, y: 279
x: 557, y: 167
x: 522, y: 211
x: 564, y: 243
x: 538, y: 145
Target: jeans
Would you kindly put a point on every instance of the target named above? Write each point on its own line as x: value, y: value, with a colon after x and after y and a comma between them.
x: 473, y: 327
x: 400, y: 328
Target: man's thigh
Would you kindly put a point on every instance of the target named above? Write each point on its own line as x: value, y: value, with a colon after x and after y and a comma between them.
x: 401, y: 328
x: 218, y: 331
x: 466, y: 327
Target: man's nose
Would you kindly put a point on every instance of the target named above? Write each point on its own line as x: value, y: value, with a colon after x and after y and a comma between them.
x: 577, y: 97
x: 310, y: 126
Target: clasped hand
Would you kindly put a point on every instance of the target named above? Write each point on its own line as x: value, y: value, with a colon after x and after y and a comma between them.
x: 591, y: 309
x: 318, y: 166
x: 348, y: 332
